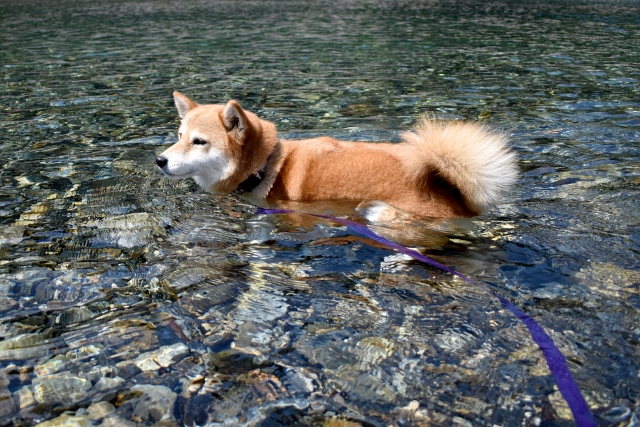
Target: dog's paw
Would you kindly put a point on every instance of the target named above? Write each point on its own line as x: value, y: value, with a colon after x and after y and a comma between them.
x: 377, y: 211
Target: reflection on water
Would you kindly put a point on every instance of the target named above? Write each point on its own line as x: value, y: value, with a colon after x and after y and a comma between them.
x: 126, y: 298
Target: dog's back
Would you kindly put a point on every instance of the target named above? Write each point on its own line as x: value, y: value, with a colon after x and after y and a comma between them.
x: 442, y: 169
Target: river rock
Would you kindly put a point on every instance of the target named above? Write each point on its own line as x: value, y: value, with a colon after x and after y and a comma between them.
x: 145, y: 362
x: 66, y: 420
x: 51, y: 366
x: 115, y: 421
x: 156, y: 404
x: 7, y: 405
x: 7, y: 304
x: 23, y: 397
x: 63, y: 388
x: 162, y: 357
x: 170, y: 354
x: 106, y: 384
x: 100, y: 410
x: 26, y: 346
x: 300, y: 381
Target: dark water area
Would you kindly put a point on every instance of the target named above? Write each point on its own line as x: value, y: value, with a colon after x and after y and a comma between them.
x: 127, y: 299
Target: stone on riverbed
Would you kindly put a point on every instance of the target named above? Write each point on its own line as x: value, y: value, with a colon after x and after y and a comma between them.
x: 162, y: 357
x: 66, y: 420
x: 156, y: 404
x: 26, y: 346
x: 62, y: 388
x: 115, y: 421
x: 105, y: 384
x: 128, y: 231
x: 7, y: 405
x: 7, y: 304
x: 170, y: 354
x: 100, y: 410
x: 23, y: 397
x: 51, y: 366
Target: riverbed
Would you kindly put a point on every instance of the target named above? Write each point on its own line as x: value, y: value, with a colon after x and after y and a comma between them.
x: 129, y: 299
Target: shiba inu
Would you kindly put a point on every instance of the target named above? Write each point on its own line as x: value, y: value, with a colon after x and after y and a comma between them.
x: 441, y: 169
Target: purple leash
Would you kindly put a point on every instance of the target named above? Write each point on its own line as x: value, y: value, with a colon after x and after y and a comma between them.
x: 555, y: 359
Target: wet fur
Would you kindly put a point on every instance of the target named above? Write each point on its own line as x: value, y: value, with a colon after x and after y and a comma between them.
x: 441, y: 169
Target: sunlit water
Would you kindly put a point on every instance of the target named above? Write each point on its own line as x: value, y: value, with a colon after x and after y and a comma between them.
x: 127, y: 298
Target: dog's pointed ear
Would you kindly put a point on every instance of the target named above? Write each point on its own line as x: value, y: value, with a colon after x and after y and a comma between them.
x: 183, y: 104
x: 235, y: 120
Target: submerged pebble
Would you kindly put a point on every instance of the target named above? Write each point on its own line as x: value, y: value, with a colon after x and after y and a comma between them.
x: 99, y: 410
x: 61, y: 388
x: 23, y: 397
x: 7, y: 404
x: 66, y: 420
x: 105, y: 384
x: 162, y: 357
x: 156, y: 404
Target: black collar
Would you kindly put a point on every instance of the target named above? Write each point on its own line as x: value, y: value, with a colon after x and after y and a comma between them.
x: 248, y: 185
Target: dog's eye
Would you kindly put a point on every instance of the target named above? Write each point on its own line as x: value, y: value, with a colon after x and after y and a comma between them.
x: 199, y: 141
x: 179, y: 135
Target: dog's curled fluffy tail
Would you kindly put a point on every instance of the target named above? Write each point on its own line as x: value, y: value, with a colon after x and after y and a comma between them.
x: 469, y: 156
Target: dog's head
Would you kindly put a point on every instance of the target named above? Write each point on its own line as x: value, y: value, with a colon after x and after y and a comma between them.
x: 210, y: 142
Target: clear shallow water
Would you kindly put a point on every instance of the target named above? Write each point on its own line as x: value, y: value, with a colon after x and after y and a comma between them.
x: 118, y: 286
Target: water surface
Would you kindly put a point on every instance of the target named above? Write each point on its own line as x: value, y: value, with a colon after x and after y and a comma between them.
x: 119, y: 288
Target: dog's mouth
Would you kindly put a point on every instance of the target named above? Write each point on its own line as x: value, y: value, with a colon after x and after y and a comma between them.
x: 174, y: 175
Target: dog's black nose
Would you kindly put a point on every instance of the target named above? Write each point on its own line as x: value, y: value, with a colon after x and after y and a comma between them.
x: 161, y: 161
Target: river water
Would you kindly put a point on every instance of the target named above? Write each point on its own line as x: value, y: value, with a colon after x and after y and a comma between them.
x: 126, y: 298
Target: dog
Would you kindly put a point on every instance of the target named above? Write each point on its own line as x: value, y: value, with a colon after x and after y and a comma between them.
x: 441, y: 169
